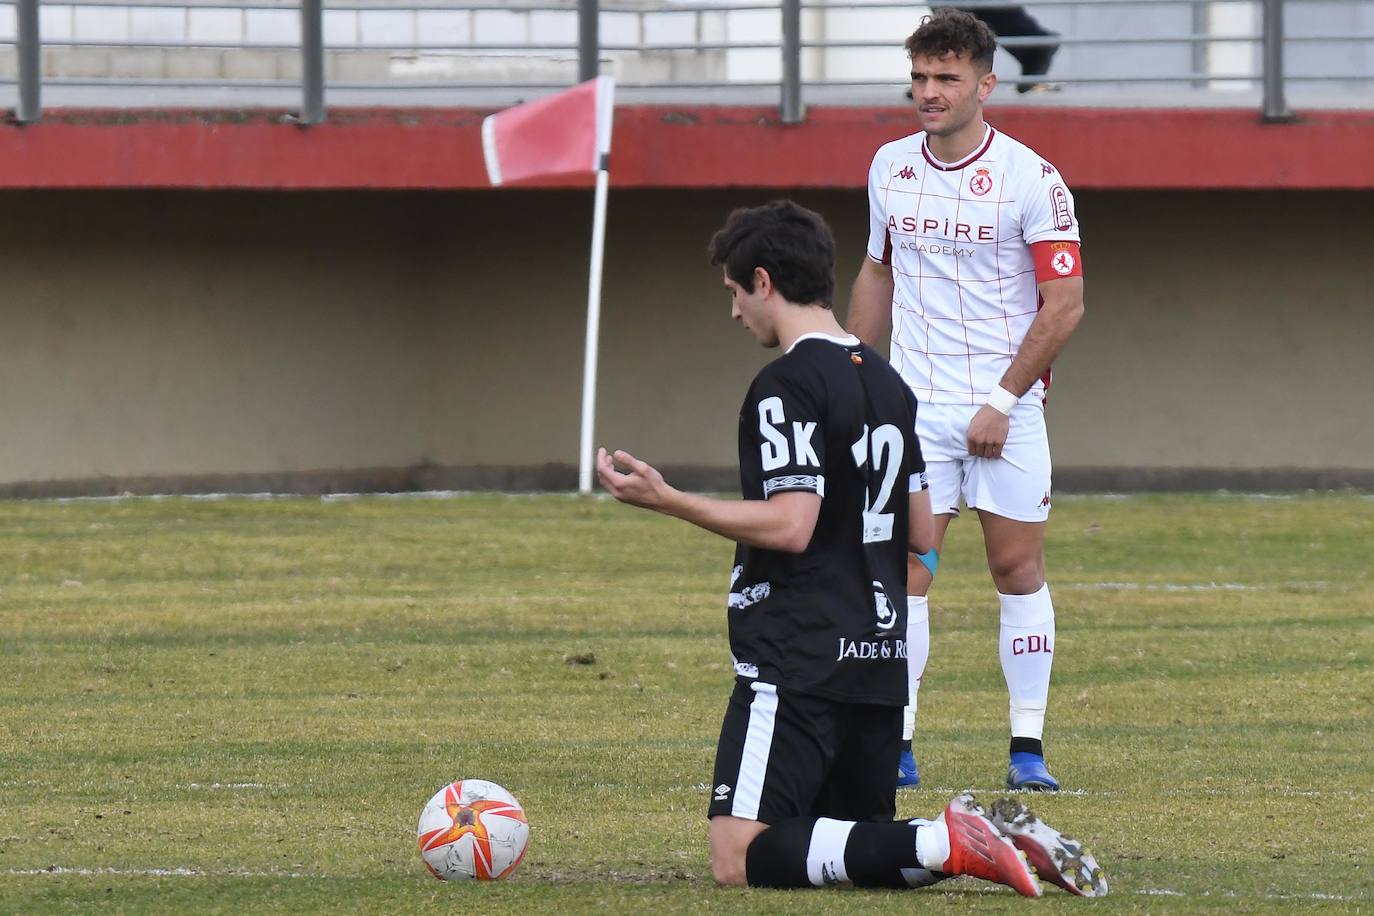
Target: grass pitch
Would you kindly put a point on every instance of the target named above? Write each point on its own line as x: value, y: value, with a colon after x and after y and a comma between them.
x: 241, y: 705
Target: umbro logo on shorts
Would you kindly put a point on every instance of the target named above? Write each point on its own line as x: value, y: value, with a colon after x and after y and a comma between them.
x: 722, y: 792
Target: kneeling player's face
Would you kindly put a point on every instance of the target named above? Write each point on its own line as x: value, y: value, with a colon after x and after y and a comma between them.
x: 748, y: 308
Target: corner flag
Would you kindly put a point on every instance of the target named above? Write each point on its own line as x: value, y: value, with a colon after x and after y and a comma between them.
x: 564, y: 134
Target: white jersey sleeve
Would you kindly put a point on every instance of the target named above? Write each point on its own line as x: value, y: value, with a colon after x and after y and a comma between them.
x: 879, y: 242
x: 1047, y: 210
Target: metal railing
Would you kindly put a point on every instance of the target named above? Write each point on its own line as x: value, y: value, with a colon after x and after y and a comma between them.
x: 799, y: 48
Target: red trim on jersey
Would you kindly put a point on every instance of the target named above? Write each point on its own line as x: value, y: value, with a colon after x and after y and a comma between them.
x: 1056, y: 260
x: 956, y: 166
x: 1049, y: 370
x: 887, y: 249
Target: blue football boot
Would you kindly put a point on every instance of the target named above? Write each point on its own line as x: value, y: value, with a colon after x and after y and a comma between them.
x: 1027, y: 771
x: 907, y: 774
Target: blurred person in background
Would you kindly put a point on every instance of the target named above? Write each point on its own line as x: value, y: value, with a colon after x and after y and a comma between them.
x: 1012, y: 21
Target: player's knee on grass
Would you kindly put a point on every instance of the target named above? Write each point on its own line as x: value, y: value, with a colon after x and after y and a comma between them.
x: 730, y: 839
x: 728, y: 871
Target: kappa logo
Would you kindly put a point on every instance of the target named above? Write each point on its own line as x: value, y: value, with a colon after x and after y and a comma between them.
x: 908, y: 173
x: 722, y: 792
x: 1046, y: 169
x: 1046, y: 501
x: 981, y: 182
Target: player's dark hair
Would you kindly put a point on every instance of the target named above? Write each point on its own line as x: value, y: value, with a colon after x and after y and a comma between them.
x: 792, y: 243
x: 952, y: 31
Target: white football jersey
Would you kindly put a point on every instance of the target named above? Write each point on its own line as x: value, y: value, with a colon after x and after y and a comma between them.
x: 958, y: 237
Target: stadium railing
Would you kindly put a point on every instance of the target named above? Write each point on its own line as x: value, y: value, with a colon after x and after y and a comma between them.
x: 239, y: 53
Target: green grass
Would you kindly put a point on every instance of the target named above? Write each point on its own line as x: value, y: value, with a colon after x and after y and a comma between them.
x: 241, y: 705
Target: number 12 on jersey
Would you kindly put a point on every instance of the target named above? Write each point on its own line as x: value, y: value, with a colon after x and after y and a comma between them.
x: 883, y: 447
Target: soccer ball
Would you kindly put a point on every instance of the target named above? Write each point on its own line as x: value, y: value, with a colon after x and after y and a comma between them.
x: 473, y: 830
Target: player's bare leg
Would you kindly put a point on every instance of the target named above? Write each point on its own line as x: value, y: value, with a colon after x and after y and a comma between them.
x: 919, y: 578
x: 730, y: 838
x: 1016, y: 559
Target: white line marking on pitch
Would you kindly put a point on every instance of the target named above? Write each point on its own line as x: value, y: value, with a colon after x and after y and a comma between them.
x: 1167, y: 587
x: 233, y: 785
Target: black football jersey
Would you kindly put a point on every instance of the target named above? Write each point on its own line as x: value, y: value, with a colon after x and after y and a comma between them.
x: 832, y: 417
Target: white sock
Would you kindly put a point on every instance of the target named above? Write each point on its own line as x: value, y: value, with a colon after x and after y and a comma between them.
x: 917, y: 654
x: 1027, y: 649
x: 825, y: 855
x: 932, y: 845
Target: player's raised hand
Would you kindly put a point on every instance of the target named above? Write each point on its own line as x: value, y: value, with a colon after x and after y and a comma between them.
x: 987, y: 432
x: 639, y: 485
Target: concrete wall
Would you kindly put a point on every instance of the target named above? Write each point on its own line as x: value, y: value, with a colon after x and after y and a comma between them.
x: 158, y: 341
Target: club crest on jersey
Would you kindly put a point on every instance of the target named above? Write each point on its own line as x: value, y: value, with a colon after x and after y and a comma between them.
x: 887, y: 614
x: 981, y: 182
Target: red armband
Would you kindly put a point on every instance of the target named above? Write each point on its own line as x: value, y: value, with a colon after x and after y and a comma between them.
x: 1054, y: 260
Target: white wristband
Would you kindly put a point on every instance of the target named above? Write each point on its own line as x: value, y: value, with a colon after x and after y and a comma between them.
x: 1002, y: 400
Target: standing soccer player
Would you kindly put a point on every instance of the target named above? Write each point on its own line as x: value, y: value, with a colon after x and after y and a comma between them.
x: 834, y: 496
x: 973, y: 263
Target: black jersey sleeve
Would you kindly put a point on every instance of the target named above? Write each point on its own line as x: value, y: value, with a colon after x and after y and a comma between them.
x: 782, y: 439
x: 918, y: 480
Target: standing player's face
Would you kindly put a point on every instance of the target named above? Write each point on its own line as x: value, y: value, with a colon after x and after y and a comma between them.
x: 751, y: 310
x: 948, y: 92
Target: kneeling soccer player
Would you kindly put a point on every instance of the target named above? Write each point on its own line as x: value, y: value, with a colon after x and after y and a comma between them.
x: 804, y: 791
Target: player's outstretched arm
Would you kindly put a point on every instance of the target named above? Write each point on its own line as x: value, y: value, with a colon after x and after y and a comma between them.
x: 870, y: 303
x: 783, y: 522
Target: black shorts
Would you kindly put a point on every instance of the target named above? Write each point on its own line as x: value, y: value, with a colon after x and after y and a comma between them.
x: 783, y: 754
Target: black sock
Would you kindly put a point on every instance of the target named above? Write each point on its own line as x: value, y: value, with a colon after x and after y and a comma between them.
x: 873, y: 854
x: 777, y: 857
x: 1027, y: 746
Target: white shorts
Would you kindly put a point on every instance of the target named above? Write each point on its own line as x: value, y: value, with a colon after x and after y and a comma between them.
x: 1015, y: 486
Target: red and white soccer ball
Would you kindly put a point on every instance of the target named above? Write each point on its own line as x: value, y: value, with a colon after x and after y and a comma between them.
x: 473, y: 830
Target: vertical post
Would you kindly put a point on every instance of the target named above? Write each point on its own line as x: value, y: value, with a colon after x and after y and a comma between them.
x: 30, y: 107
x: 312, y: 61
x: 584, y: 451
x: 588, y: 40
x: 791, y: 62
x: 1275, y: 108
x: 1201, y: 50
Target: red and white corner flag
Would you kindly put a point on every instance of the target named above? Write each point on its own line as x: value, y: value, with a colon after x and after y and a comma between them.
x: 563, y: 134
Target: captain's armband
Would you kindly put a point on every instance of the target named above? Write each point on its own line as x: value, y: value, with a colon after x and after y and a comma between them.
x: 1056, y: 260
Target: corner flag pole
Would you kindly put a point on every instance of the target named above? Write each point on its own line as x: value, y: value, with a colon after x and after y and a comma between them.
x: 568, y: 133
x: 584, y: 470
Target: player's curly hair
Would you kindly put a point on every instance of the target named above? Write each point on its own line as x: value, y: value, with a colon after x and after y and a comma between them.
x: 953, y: 31
x: 792, y: 243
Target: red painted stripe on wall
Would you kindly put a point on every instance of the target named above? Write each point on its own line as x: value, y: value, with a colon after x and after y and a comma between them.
x: 672, y: 147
